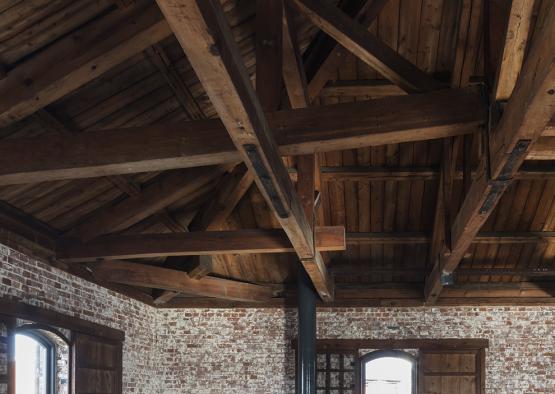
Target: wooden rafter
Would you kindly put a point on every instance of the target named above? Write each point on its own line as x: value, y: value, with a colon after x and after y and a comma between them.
x: 516, y: 37
x: 162, y: 278
x: 174, y: 186
x: 370, y: 88
x: 328, y: 68
x: 22, y: 231
x: 406, y: 174
x: 213, y: 215
x: 206, y: 38
x: 268, y: 46
x: 358, y: 40
x: 315, y: 129
x: 220, y: 206
x: 527, y: 114
x: 109, y: 41
x: 499, y: 237
x: 158, y: 56
x: 193, y: 244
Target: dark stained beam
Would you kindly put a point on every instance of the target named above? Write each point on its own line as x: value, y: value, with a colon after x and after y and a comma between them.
x: 219, y: 207
x: 389, y: 120
x: 499, y: 237
x: 193, y: 244
x: 162, y: 278
x: 405, y: 174
x: 526, y: 116
x: 26, y: 234
x: 371, y: 88
x: 400, y: 294
x: 345, y: 268
x: 88, y: 53
x: 205, y: 36
x: 367, y: 14
x: 212, y: 216
x: 358, y: 40
x: 294, y: 75
x: 268, y: 47
x: 174, y: 186
x: 160, y: 59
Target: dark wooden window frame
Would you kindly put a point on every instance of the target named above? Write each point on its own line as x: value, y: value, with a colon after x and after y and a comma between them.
x: 45, y: 319
x: 394, y: 353
x: 476, y: 345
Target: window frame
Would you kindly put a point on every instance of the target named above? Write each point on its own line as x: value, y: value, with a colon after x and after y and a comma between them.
x: 391, y: 353
x: 50, y: 347
x: 33, y: 331
x: 478, y: 346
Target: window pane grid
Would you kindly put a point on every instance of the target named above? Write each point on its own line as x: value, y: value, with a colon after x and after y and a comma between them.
x: 335, y: 373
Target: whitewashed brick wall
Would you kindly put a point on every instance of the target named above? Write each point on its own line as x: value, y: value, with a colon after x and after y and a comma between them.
x: 247, y: 351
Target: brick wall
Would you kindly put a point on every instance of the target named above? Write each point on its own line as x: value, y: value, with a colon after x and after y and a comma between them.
x: 247, y: 351
x: 41, y: 285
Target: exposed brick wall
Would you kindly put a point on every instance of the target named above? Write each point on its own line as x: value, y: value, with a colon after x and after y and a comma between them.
x: 39, y: 284
x: 247, y: 351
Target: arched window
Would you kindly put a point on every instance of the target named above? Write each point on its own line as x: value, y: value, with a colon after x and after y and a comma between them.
x: 39, y: 358
x: 388, y: 372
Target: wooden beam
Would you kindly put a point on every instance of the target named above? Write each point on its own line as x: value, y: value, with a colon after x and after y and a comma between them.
x: 193, y: 244
x: 358, y: 40
x: 204, y: 302
x: 162, y: 278
x: 371, y: 238
x: 205, y: 36
x: 328, y: 68
x: 371, y: 88
x: 268, y: 37
x: 527, y: 114
x: 54, y: 125
x: 339, y: 267
x: 389, y: 120
x: 308, y: 176
x: 170, y: 187
x: 229, y: 193
x: 212, y: 216
x: 26, y: 234
x: 516, y: 38
x: 406, y: 174
x: 203, y: 267
x: 543, y: 149
x: 294, y: 76
x: 158, y: 56
x: 88, y: 53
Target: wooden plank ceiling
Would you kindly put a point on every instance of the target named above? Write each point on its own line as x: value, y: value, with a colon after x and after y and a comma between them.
x: 434, y: 182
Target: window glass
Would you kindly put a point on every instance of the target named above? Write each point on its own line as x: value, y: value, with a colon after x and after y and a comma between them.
x: 388, y: 375
x: 31, y: 358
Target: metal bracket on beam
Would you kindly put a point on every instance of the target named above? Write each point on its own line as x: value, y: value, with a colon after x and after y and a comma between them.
x: 515, y: 158
x: 267, y: 182
x: 497, y: 188
x: 447, y: 278
x: 499, y: 184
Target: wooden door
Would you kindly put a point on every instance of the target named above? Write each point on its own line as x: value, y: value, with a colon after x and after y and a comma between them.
x: 450, y: 372
x: 97, y: 365
x: 7, y: 355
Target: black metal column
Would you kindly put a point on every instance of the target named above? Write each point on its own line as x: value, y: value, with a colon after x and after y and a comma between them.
x: 306, y: 350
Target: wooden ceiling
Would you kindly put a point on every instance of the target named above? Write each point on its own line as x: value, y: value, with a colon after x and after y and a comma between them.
x: 429, y: 123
